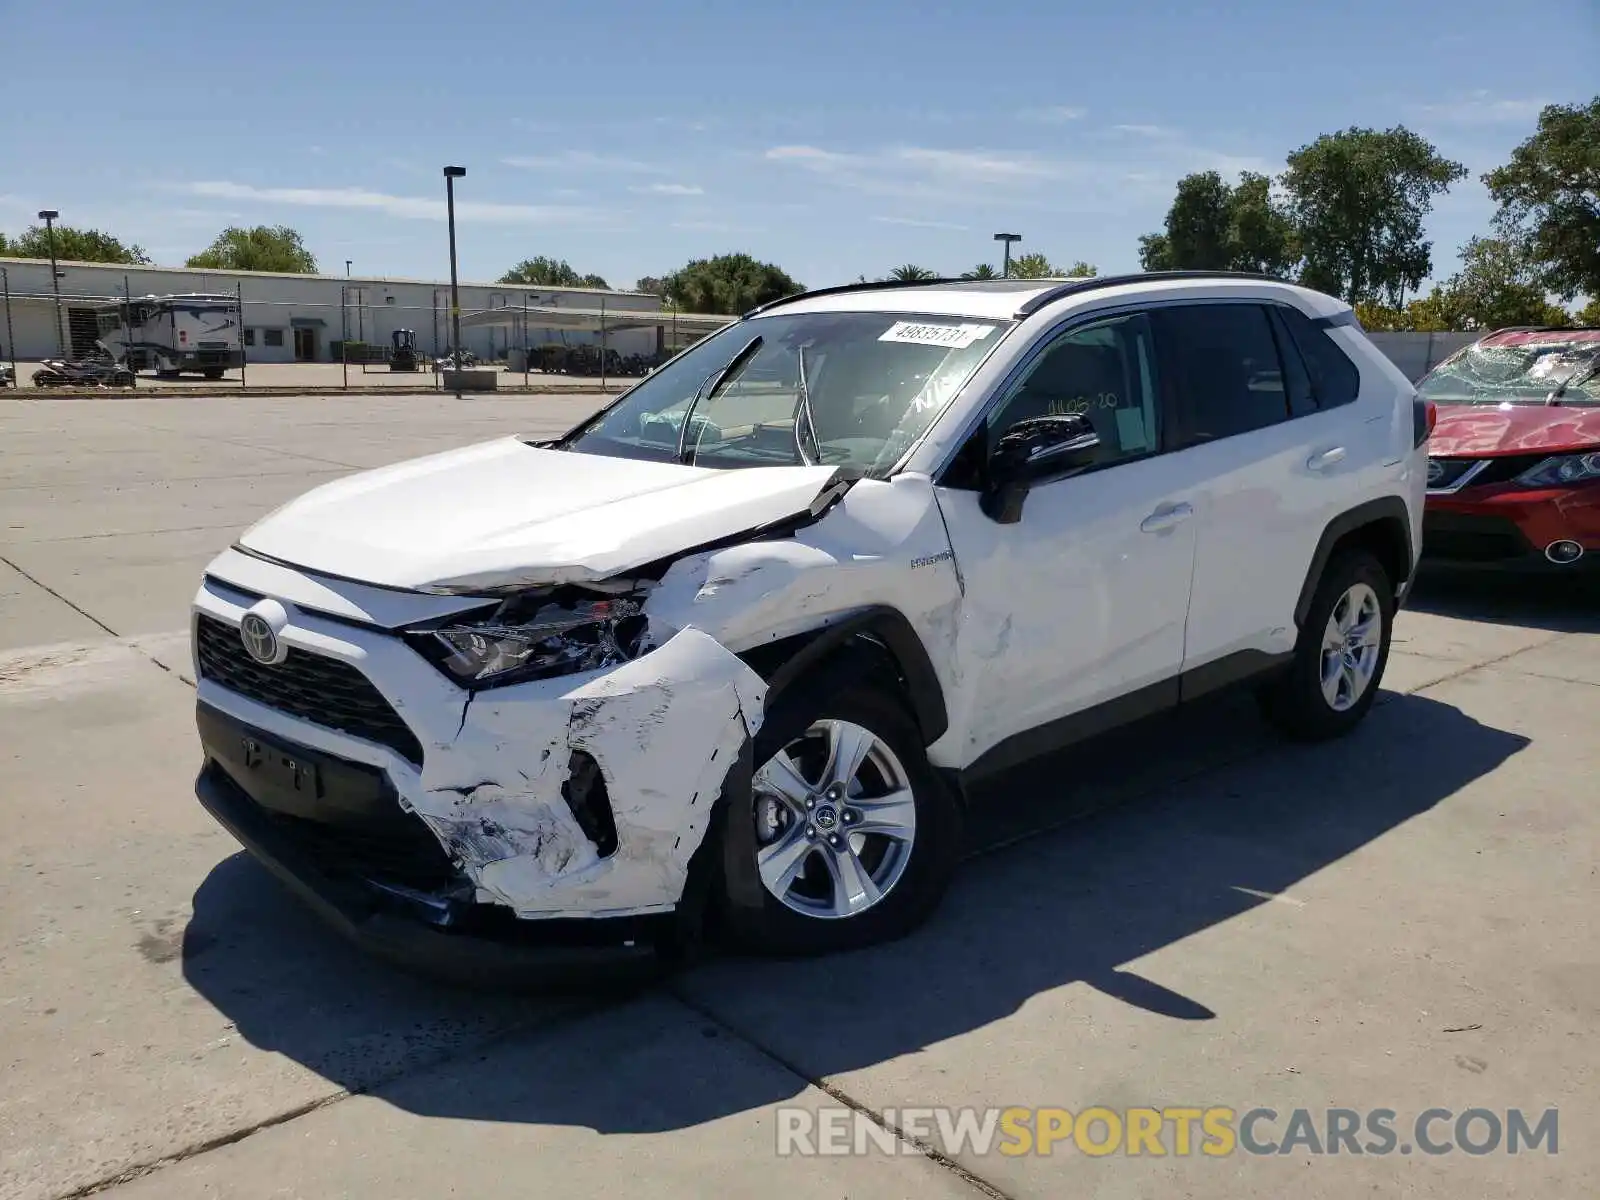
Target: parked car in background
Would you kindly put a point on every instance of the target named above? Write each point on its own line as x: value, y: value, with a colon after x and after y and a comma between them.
x: 1514, y: 460
x: 743, y: 639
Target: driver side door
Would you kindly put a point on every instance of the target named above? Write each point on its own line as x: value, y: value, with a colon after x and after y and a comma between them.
x: 1073, y: 618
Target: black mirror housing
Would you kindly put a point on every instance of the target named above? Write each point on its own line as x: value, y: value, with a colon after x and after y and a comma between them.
x: 1034, y: 451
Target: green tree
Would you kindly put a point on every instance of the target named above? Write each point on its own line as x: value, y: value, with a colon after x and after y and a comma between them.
x: 1261, y: 236
x: 1496, y: 286
x: 981, y: 271
x: 727, y: 283
x: 1215, y: 226
x: 650, y: 285
x: 1589, y: 315
x: 262, y: 248
x: 1357, y: 199
x: 911, y: 273
x: 1039, y: 266
x: 548, y: 272
x: 73, y: 245
x: 1032, y: 266
x: 1549, y: 197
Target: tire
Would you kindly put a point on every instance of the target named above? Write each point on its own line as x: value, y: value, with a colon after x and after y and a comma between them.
x: 213, y: 373
x: 914, y: 872
x: 1299, y: 704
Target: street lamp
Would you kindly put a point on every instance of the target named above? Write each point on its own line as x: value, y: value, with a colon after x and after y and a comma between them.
x: 451, y: 174
x: 48, y: 216
x: 1007, y: 238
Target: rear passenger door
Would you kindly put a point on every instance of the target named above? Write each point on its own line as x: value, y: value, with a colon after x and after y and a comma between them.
x: 1272, y: 468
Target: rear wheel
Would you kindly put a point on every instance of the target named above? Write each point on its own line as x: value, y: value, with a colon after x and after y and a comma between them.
x: 856, y: 835
x: 1341, y: 653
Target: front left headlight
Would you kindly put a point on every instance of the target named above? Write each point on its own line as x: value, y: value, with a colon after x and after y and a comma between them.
x: 515, y: 645
x: 1562, y: 469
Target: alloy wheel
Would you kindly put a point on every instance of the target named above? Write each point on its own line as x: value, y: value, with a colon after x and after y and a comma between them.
x: 1350, y: 647
x: 835, y: 821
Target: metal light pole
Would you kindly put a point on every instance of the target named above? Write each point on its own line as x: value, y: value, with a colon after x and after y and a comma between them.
x: 48, y: 216
x: 451, y: 174
x: 1007, y: 239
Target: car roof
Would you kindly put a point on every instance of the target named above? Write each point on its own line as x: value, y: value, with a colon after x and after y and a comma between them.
x: 1009, y: 299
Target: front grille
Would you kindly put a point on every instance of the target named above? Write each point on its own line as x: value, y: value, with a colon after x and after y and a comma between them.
x: 1445, y: 472
x: 321, y: 690
x: 1467, y: 538
x: 408, y: 855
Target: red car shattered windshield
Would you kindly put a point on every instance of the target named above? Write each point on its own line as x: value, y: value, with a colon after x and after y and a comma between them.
x: 1562, y: 367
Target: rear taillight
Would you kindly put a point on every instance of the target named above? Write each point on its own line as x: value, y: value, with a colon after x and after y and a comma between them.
x: 1424, y: 416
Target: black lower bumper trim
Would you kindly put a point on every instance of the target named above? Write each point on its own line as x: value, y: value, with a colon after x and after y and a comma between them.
x: 413, y: 932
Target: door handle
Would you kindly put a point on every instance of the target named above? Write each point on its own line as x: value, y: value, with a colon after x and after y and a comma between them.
x: 1320, y: 462
x: 1166, y: 517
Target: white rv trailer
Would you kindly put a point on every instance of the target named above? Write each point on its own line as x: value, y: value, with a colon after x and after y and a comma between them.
x: 172, y: 334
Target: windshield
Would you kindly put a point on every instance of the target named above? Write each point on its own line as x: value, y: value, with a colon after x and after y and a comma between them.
x: 840, y: 389
x: 1522, y: 368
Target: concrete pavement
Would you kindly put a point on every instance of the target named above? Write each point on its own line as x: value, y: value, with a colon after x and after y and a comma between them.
x: 1196, y: 914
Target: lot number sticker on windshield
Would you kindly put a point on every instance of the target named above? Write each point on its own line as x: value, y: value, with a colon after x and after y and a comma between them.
x: 952, y: 337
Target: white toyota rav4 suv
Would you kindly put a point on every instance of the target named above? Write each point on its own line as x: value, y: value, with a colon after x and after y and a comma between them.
x: 738, y: 644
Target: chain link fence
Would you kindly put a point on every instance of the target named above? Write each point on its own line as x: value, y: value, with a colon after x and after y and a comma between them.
x: 372, y: 335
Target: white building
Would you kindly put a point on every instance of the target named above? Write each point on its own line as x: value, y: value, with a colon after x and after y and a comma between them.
x: 303, y: 318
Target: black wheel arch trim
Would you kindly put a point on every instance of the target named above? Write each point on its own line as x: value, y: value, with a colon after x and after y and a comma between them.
x: 1384, y: 510
x: 829, y: 657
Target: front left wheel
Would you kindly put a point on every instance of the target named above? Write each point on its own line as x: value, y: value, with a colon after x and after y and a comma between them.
x: 856, y: 835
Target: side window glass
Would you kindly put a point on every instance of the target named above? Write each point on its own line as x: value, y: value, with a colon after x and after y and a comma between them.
x: 1106, y: 372
x: 1296, y: 379
x: 1226, y: 368
x: 1335, y: 380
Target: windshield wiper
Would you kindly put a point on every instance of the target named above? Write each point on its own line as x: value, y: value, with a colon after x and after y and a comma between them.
x: 1581, y: 375
x: 709, y: 389
x: 805, y: 407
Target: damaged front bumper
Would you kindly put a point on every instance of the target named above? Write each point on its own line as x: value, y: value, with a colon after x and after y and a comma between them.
x: 485, y: 781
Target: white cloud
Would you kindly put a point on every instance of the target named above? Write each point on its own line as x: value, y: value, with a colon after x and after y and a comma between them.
x: 669, y: 189
x: 1057, y: 114
x: 922, y: 161
x: 1149, y: 131
x: 917, y: 223
x: 580, y: 160
x: 1480, y: 108
x: 407, y: 207
x: 811, y: 157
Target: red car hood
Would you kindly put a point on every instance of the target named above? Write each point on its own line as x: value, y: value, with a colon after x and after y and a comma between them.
x: 1469, y: 430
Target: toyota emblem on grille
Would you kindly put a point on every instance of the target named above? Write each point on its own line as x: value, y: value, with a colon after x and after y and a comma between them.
x: 1435, y: 470
x: 259, y: 629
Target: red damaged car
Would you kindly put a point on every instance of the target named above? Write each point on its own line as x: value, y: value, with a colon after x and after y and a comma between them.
x: 1514, y: 460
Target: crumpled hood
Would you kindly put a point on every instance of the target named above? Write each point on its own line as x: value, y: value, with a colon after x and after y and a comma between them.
x: 505, y: 514
x: 1465, y: 430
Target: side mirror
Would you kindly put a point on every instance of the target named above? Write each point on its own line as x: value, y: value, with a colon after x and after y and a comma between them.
x: 1037, y: 450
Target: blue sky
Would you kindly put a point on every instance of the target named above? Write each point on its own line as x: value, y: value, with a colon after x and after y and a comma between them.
x: 833, y: 138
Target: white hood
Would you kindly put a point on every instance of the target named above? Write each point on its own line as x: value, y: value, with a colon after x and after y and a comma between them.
x: 504, y: 514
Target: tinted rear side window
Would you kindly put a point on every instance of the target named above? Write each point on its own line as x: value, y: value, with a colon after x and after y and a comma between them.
x: 1335, y: 380
x: 1225, y: 367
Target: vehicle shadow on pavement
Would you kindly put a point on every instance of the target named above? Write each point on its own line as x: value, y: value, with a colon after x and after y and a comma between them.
x: 1561, y: 605
x: 1163, y: 832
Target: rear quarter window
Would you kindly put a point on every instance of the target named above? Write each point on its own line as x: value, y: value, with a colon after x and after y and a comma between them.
x: 1335, y: 380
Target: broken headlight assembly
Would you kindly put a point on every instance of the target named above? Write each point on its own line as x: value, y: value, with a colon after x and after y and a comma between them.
x: 536, y: 637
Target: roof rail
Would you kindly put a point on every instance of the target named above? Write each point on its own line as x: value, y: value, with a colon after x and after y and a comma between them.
x: 840, y: 289
x: 1093, y: 282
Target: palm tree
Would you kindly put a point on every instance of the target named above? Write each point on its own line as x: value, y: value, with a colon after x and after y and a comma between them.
x: 911, y: 273
x: 981, y: 271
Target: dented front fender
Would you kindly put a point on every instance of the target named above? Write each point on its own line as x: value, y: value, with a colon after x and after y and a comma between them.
x: 664, y: 729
